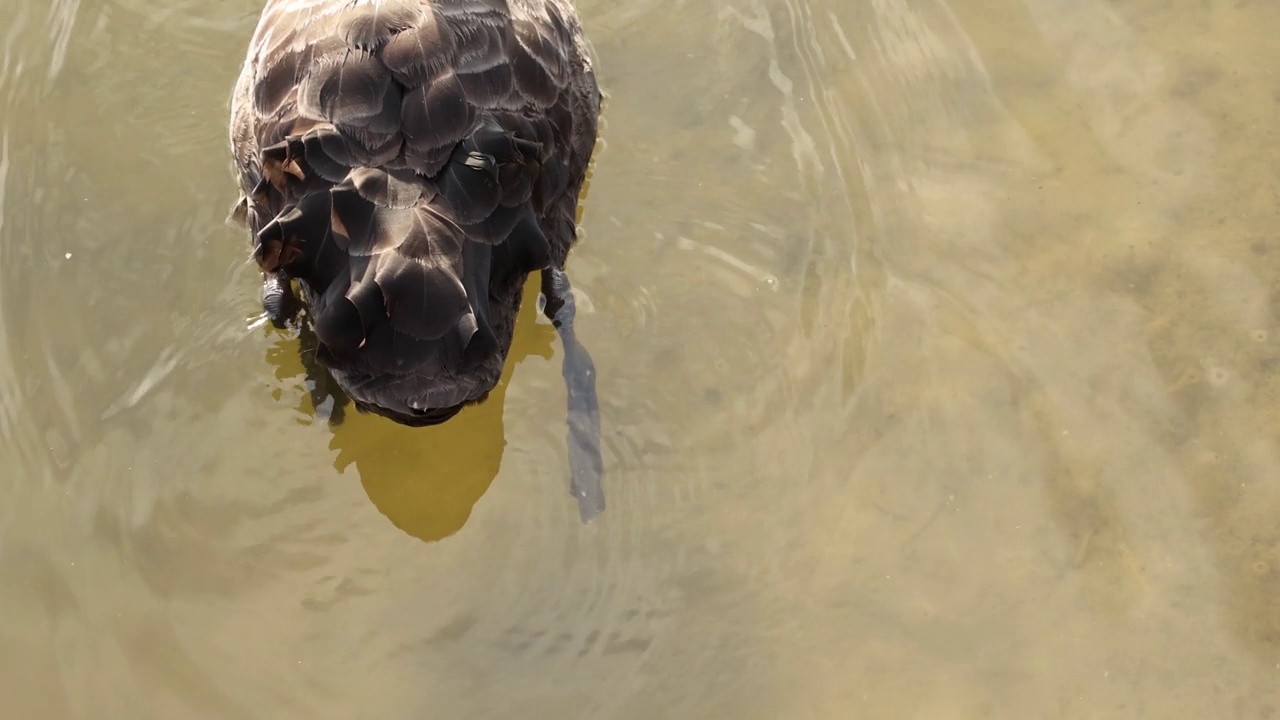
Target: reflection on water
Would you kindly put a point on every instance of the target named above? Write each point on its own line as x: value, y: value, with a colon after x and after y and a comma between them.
x: 426, y: 480
x: 938, y: 371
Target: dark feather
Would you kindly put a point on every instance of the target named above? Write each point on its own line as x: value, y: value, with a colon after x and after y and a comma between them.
x: 369, y: 26
x: 436, y: 115
x: 421, y: 53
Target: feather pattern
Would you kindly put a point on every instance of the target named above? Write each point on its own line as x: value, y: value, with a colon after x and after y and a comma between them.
x: 409, y: 162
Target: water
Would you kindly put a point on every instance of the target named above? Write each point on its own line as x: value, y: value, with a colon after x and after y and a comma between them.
x: 938, y: 360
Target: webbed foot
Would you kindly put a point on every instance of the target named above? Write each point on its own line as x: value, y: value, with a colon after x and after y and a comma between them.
x: 327, y: 397
x: 278, y: 300
x: 586, y: 467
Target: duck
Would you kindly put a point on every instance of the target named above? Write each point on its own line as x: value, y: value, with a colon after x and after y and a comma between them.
x: 404, y: 166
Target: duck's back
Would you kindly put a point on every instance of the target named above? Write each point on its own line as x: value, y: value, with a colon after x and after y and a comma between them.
x: 398, y: 155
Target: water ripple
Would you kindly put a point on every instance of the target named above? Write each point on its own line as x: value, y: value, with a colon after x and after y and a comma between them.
x: 924, y: 329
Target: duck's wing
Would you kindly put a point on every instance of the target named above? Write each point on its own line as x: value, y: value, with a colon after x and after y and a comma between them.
x: 395, y: 155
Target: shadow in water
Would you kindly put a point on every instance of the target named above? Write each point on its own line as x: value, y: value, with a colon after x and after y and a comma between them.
x: 424, y: 480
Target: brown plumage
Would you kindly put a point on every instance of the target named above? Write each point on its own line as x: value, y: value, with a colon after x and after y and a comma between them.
x: 409, y: 163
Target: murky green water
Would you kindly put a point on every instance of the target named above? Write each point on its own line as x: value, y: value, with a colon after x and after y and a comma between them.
x: 939, y: 362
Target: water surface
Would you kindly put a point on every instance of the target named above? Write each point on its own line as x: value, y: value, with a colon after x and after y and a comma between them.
x: 938, y: 358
